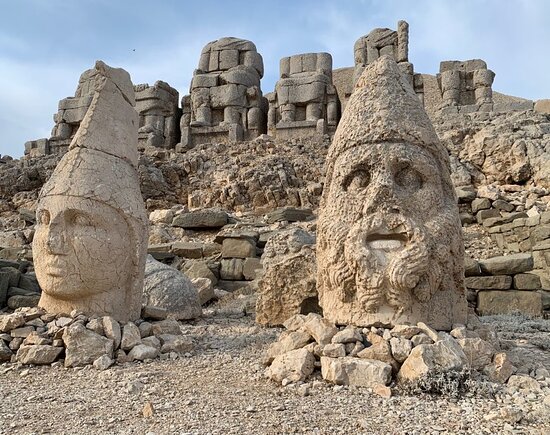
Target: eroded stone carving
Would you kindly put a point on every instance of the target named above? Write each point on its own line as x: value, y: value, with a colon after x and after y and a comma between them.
x: 91, y: 234
x: 386, y: 42
x: 389, y: 237
x: 159, y: 115
x: 466, y: 86
x: 305, y: 99
x: 225, y: 101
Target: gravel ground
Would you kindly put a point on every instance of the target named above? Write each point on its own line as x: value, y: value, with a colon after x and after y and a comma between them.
x: 220, y: 389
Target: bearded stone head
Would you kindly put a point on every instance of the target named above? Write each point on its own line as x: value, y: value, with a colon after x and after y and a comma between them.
x: 389, y: 237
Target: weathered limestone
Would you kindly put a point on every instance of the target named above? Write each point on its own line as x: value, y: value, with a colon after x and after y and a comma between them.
x: 225, y: 102
x: 159, y: 115
x: 305, y: 100
x: 91, y: 234
x: 466, y: 86
x: 287, y: 285
x: 386, y: 42
x: 389, y: 237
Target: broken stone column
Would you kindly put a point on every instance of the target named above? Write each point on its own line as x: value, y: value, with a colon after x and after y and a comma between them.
x: 466, y: 86
x: 390, y: 244
x: 159, y: 115
x: 225, y: 102
x: 305, y: 100
x: 91, y: 235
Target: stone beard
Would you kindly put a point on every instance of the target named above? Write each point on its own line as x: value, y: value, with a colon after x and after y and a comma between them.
x: 389, y: 236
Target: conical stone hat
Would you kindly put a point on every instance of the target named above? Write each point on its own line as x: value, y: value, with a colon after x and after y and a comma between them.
x: 384, y: 108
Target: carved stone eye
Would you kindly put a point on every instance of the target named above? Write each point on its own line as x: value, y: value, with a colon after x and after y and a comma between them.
x: 407, y: 177
x: 80, y: 219
x: 357, y: 180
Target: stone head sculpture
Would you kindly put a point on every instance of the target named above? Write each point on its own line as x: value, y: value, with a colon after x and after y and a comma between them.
x: 91, y: 235
x: 389, y: 236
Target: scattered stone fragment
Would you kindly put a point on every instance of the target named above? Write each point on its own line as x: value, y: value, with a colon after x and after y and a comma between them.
x: 319, y: 328
x: 400, y: 348
x: 426, y: 359
x: 295, y: 366
x: 83, y: 347
x: 355, y: 371
x: 130, y: 336
x: 142, y: 352
x: 103, y: 362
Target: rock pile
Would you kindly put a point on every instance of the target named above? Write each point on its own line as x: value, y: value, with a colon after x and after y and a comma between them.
x: 378, y: 357
x: 32, y: 336
x: 18, y: 286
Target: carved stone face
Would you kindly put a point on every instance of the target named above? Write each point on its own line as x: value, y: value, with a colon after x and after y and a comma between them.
x: 387, y: 233
x: 81, y: 248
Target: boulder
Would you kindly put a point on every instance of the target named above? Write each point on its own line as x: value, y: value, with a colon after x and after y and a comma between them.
x: 429, y: 359
x: 478, y: 352
x: 167, y: 288
x: 294, y: 366
x: 204, y: 289
x: 11, y: 321
x: 288, y: 282
x: 111, y: 328
x: 130, y: 336
x: 355, y: 371
x: 288, y: 340
x: 5, y: 352
x: 500, y: 369
x: 320, y: 328
x: 83, y: 347
x: 176, y: 343
x: 142, y: 352
x: 38, y: 354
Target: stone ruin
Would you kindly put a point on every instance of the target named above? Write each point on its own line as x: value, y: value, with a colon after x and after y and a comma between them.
x: 386, y: 42
x: 305, y: 100
x: 91, y: 235
x: 71, y: 112
x: 466, y: 86
x: 226, y: 104
x: 159, y: 115
x: 225, y: 101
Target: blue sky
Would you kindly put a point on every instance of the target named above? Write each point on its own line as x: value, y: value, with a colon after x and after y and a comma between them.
x: 46, y: 44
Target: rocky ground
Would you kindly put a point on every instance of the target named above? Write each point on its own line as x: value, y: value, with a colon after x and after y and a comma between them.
x: 221, y: 388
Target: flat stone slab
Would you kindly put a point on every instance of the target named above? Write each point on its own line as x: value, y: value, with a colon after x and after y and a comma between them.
x: 501, y: 282
x: 209, y: 218
x: 507, y: 264
x: 493, y: 302
x: 289, y: 214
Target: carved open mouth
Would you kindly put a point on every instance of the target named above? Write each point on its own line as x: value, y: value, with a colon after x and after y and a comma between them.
x: 389, y: 241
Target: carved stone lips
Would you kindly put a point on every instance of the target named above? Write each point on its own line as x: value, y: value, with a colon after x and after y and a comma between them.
x: 56, y: 268
x: 387, y: 240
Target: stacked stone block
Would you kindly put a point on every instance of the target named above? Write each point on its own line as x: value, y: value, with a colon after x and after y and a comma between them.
x: 225, y: 101
x: 466, y: 86
x: 504, y: 285
x: 159, y: 115
x: 305, y: 100
x: 18, y: 286
x: 387, y: 42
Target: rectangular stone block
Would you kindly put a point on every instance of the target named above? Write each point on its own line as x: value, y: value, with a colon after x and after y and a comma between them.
x: 527, y: 281
x: 295, y: 64
x: 507, y: 264
x: 204, y: 81
x: 213, y: 64
x: 509, y: 302
x: 187, y: 249
x: 228, y: 95
x: 229, y: 59
x: 238, y: 248
x: 74, y: 116
x: 502, y: 282
x: 232, y: 269
x: 251, y: 268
